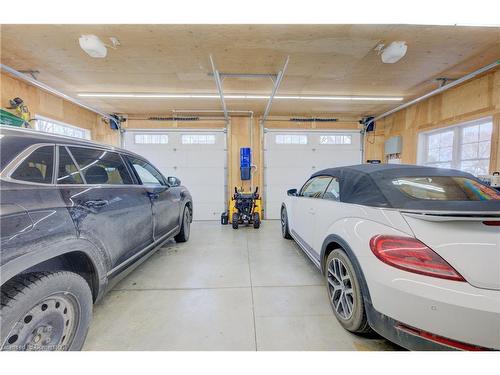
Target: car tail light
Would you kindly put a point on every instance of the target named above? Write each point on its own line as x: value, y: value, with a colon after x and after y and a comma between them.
x: 492, y: 223
x: 409, y: 254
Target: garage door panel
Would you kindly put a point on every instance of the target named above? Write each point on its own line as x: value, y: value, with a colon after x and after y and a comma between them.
x: 205, y: 193
x: 288, y: 166
x: 203, y: 158
x: 325, y: 159
x: 200, y: 167
x: 202, y: 176
x: 286, y: 176
x: 206, y: 211
x: 286, y: 158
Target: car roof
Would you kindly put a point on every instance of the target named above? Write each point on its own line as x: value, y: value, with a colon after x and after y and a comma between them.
x: 392, y: 169
x: 373, y: 185
x: 36, y: 136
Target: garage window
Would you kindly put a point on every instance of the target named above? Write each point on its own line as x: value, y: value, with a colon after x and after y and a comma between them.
x: 291, y: 139
x: 151, y: 139
x: 340, y: 139
x: 198, y: 139
x: 466, y: 147
x: 47, y: 125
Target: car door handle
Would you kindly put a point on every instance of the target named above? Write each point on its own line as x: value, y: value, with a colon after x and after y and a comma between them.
x: 311, y: 211
x: 96, y: 203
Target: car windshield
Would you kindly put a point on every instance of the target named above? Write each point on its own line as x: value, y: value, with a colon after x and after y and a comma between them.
x: 445, y: 188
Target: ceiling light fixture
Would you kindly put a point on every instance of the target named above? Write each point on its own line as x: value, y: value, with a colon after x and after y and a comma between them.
x: 342, y: 98
x: 393, y: 52
x: 236, y: 96
x: 94, y: 47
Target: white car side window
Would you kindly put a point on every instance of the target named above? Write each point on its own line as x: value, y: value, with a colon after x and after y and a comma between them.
x: 315, y: 187
x: 333, y: 190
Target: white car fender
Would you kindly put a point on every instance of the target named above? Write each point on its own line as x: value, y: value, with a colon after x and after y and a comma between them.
x: 287, y: 203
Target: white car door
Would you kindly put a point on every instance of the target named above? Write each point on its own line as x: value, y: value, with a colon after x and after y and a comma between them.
x: 304, y: 209
x: 327, y: 210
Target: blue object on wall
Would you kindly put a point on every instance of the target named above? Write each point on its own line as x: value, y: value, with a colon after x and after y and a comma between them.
x: 245, y: 162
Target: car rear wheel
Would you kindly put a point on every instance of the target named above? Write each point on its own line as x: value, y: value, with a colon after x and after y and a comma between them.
x: 183, y: 235
x: 344, y: 292
x: 45, y: 311
x: 285, y: 231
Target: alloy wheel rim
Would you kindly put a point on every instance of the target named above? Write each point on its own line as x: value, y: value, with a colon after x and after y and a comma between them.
x: 49, y: 325
x: 283, y: 221
x: 340, y: 289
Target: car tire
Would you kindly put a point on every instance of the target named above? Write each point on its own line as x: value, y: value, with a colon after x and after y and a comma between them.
x: 256, y: 220
x: 235, y: 220
x: 285, y: 230
x: 45, y: 311
x: 183, y: 235
x: 344, y: 292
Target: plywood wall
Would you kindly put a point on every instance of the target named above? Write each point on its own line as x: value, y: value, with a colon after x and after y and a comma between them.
x: 45, y: 104
x: 472, y: 100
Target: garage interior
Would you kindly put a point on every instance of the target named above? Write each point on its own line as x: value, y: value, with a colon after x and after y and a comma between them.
x: 189, y: 97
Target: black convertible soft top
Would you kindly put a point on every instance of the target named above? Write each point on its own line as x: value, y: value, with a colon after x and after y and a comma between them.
x: 372, y: 185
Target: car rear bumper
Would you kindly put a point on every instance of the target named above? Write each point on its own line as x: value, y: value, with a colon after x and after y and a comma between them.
x: 412, y: 338
x: 422, y: 314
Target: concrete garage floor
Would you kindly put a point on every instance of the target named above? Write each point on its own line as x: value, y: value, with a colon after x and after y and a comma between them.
x: 225, y: 289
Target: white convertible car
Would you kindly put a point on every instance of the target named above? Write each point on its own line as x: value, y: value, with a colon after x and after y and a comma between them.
x: 410, y: 252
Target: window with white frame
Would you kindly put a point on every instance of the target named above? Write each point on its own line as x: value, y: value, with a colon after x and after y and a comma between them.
x: 466, y: 147
x: 48, y: 125
x: 341, y: 139
x: 291, y: 139
x: 198, y: 139
x: 151, y: 139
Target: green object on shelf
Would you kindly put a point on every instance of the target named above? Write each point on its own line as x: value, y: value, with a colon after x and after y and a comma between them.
x: 7, y: 118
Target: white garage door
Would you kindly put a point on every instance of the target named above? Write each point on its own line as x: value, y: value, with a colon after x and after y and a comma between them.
x: 291, y: 157
x: 197, y: 158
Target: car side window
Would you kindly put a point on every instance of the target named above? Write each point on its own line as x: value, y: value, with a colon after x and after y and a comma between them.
x: 147, y: 174
x: 333, y: 190
x: 315, y: 187
x: 101, y: 166
x: 37, y: 167
x: 68, y: 171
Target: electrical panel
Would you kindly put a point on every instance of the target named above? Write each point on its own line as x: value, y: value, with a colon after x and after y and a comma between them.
x: 393, y: 145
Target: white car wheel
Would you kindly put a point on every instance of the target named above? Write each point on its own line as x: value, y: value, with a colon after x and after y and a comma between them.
x: 345, y: 293
x: 285, y: 230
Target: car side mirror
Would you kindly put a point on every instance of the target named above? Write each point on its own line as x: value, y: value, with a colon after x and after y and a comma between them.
x: 173, y: 181
x: 292, y: 192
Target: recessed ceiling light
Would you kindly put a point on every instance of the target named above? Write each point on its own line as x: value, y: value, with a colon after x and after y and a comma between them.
x: 237, y: 96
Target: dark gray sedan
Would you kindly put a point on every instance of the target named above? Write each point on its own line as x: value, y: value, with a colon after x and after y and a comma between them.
x: 75, y: 217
